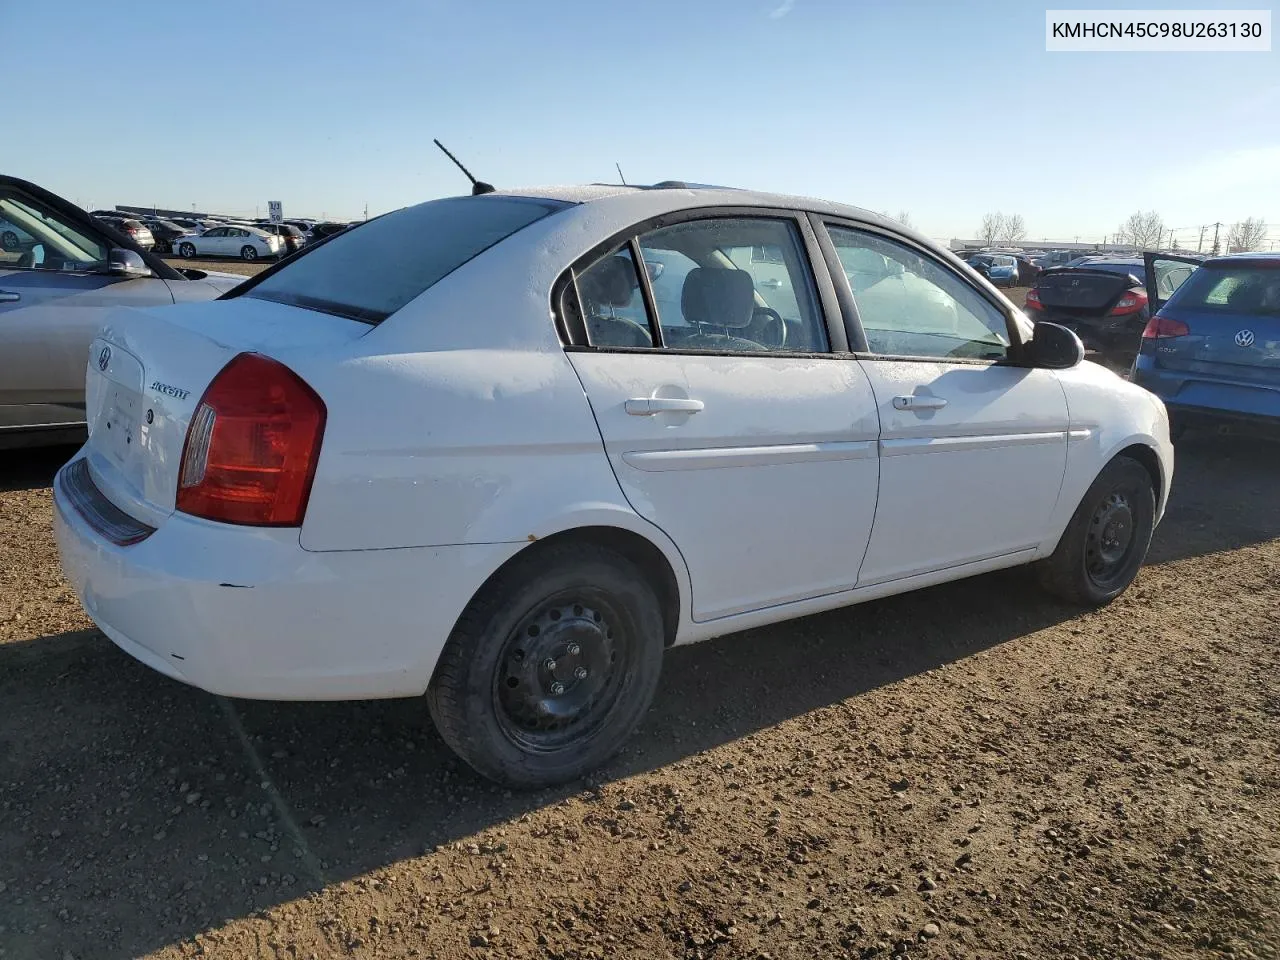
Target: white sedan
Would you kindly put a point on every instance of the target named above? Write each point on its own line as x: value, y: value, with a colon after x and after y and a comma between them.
x: 503, y: 450
x: 247, y: 243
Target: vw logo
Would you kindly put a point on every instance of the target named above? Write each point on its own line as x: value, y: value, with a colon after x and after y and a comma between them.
x: 1244, y: 338
x: 105, y: 356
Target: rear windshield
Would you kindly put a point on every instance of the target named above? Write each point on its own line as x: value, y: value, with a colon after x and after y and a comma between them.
x: 371, y: 271
x: 1251, y: 289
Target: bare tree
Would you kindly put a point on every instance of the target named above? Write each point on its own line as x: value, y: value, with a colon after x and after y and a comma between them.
x: 1246, y: 235
x: 1015, y: 228
x: 992, y: 228
x: 1142, y: 230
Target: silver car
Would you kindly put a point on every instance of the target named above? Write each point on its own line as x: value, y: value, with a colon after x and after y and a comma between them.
x: 60, y: 271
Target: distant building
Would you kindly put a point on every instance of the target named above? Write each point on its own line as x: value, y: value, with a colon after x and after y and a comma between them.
x: 1084, y: 248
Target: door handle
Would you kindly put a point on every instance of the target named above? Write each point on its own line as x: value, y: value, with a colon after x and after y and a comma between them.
x: 915, y: 402
x: 7, y: 296
x: 648, y: 406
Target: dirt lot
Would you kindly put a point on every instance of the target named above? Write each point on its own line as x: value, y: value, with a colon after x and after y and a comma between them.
x: 233, y: 266
x: 970, y: 771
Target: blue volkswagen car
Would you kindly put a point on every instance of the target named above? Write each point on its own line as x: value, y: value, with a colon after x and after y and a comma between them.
x: 1211, y: 351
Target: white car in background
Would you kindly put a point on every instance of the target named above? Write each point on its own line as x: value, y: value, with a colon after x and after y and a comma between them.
x: 467, y: 450
x: 246, y: 243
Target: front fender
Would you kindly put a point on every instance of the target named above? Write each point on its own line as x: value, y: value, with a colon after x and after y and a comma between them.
x: 1108, y: 415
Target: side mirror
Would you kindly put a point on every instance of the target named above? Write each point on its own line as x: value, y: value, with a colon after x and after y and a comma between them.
x: 126, y: 263
x: 1054, y: 347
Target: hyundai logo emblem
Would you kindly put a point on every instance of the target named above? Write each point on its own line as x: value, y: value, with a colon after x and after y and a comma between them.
x: 104, y: 357
x: 1244, y: 338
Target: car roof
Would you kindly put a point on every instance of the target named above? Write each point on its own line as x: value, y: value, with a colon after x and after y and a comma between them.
x: 1235, y: 259
x: 671, y: 195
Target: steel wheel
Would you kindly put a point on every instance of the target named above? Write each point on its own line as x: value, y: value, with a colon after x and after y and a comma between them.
x: 557, y: 680
x: 248, y: 253
x: 188, y: 250
x: 1109, y: 538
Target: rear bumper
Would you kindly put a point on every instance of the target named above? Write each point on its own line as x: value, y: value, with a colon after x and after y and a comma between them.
x: 1194, y: 395
x: 246, y: 612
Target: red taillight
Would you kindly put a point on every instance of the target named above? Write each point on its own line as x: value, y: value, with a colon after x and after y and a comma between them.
x: 1033, y: 300
x: 1158, y: 328
x: 1131, y: 302
x: 252, y: 446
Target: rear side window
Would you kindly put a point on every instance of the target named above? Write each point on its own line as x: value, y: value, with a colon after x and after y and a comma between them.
x: 1254, y: 289
x: 369, y: 273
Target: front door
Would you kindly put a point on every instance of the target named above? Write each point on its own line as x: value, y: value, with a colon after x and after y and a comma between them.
x: 54, y: 291
x: 729, y: 422
x: 972, y: 448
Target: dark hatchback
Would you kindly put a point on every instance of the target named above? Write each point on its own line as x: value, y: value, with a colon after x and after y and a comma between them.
x: 1212, y: 350
x: 1104, y: 301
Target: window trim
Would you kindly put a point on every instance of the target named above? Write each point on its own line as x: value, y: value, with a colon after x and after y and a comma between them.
x: 573, y: 335
x: 1018, y: 354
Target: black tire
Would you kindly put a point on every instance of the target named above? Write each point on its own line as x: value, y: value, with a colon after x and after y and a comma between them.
x: 1107, y: 538
x: 188, y: 250
x: 248, y: 253
x: 8, y: 240
x: 591, y: 614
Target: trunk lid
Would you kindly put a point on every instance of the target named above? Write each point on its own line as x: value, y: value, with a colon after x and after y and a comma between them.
x: 1081, y: 291
x: 147, y: 370
x: 1231, y: 309
x: 1229, y: 345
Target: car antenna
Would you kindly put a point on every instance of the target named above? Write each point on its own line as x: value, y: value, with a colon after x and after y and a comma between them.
x: 620, y: 176
x: 477, y: 186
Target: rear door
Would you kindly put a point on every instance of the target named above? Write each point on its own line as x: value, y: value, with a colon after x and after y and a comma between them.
x: 730, y: 422
x: 54, y: 294
x: 972, y: 445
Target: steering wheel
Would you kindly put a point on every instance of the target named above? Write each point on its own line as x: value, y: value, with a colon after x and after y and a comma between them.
x: 768, y: 328
x: 606, y: 331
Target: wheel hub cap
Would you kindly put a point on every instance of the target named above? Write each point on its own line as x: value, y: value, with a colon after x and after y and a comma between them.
x: 555, y: 668
x: 1110, y: 534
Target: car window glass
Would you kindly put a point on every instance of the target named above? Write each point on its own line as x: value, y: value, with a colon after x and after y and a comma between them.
x: 37, y: 238
x: 1170, y: 275
x: 910, y: 305
x: 611, y: 302
x: 712, y: 294
x: 370, y: 273
x: 1232, y: 288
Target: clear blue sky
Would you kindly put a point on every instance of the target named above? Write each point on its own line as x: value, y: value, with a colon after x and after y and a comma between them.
x: 944, y: 109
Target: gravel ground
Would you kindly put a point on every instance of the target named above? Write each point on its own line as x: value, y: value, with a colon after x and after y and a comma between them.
x: 236, y: 266
x: 968, y: 771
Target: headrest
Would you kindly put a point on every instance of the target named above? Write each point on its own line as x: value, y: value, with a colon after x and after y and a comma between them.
x: 719, y: 297
x: 610, y: 282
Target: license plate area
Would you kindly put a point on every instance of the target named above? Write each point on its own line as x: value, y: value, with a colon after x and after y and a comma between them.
x: 120, y: 423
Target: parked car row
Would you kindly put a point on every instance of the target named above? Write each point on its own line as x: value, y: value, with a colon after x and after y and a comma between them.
x: 1002, y: 269
x: 216, y: 236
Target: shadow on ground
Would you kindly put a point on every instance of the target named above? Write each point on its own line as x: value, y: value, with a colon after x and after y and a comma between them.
x: 131, y: 803
x: 31, y: 468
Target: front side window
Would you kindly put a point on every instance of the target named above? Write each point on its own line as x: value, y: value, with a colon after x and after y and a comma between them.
x: 36, y: 238
x: 370, y: 273
x: 910, y: 305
